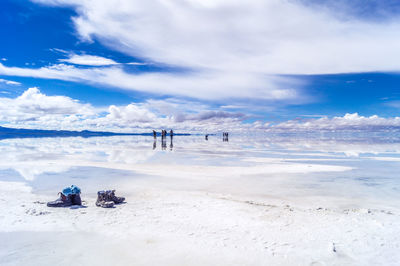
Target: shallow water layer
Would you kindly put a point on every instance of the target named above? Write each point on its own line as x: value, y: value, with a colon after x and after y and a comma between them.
x: 347, y: 171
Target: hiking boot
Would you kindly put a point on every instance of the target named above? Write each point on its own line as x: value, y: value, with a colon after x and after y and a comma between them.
x: 62, y: 201
x: 112, y: 197
x: 76, y: 199
x: 103, y: 201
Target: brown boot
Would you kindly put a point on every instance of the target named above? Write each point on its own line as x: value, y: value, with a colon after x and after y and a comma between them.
x: 103, y: 201
x: 112, y: 197
x: 62, y: 201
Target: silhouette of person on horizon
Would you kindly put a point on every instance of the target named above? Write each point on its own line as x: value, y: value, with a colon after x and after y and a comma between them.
x: 171, y: 144
x: 225, y: 136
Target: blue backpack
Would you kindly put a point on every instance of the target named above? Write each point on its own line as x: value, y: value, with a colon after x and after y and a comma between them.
x: 71, y: 190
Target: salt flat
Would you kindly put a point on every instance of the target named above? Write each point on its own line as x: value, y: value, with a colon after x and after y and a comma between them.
x: 243, y: 202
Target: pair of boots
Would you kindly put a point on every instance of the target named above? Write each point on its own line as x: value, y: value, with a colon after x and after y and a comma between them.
x: 66, y: 200
x: 107, y: 199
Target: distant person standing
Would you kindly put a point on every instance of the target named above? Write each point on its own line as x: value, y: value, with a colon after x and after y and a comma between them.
x: 154, y: 134
x: 206, y: 137
x: 171, y: 133
x: 225, y: 136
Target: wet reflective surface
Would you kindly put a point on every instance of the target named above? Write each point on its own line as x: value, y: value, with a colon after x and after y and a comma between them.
x: 363, y: 169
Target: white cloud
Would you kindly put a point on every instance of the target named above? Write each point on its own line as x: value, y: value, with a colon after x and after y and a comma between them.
x: 3, y: 59
x: 9, y: 82
x: 137, y: 64
x: 130, y: 113
x: 349, y: 122
x: 88, y: 60
x: 270, y: 37
x: 34, y: 109
x: 200, y: 85
x: 230, y: 48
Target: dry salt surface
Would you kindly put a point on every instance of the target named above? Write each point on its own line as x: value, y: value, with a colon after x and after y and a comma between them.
x: 197, y: 202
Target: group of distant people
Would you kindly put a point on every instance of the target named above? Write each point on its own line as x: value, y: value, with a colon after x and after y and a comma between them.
x: 225, y: 136
x: 163, y: 133
x: 163, y: 139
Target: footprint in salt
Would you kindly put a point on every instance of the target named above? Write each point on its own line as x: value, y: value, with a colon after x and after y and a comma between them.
x: 316, y: 263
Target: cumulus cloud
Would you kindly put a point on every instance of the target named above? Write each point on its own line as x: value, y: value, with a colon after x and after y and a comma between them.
x: 88, y: 60
x: 33, y: 109
x: 349, y: 122
x: 130, y: 113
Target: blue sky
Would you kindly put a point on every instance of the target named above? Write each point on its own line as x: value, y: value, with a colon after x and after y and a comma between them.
x: 196, y: 65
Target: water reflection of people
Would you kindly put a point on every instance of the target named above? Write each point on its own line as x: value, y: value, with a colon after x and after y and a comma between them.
x: 163, y: 139
x: 155, y: 144
x: 163, y: 143
x: 206, y: 137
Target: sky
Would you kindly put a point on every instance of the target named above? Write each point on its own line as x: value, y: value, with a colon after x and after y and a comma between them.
x: 200, y: 65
